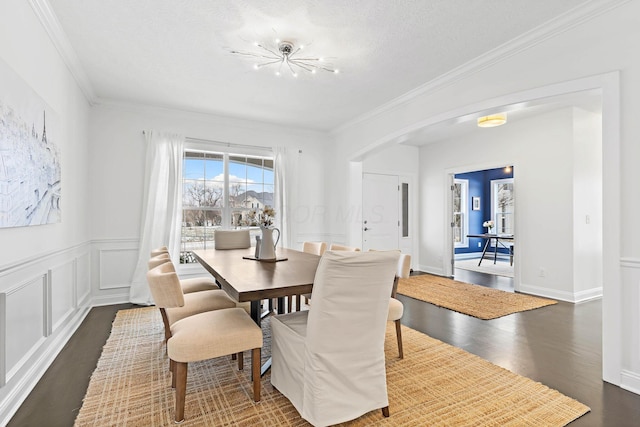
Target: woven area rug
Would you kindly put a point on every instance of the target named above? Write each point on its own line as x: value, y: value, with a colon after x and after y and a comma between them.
x: 434, y: 385
x: 474, y: 300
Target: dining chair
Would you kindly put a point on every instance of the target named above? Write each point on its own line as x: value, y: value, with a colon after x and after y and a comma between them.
x: 159, y: 250
x: 187, y: 304
x: 329, y: 360
x: 232, y: 239
x: 193, y: 338
x: 189, y: 285
x: 315, y: 248
x: 396, y: 308
x: 336, y: 247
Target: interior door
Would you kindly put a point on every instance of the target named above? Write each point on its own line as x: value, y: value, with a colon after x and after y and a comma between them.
x: 380, y: 211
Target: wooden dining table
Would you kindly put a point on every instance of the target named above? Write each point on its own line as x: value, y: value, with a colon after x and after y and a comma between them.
x: 247, y: 279
x: 251, y: 280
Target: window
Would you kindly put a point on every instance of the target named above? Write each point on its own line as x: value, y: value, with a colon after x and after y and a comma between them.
x: 503, y: 205
x: 219, y: 189
x: 460, y: 222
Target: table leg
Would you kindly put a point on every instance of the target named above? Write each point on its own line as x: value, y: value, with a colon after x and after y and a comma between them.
x: 256, y: 315
x: 256, y: 311
x: 495, y: 251
x: 484, y: 251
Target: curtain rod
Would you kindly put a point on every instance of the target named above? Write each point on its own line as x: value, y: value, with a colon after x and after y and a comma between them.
x: 226, y: 144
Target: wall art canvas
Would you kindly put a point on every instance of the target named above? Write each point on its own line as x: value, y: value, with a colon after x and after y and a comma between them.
x: 30, y: 172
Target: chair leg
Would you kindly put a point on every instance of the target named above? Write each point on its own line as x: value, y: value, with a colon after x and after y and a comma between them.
x: 399, y: 337
x: 255, y: 373
x: 289, y: 303
x: 240, y: 361
x: 167, y: 327
x: 181, y: 389
x: 385, y: 412
x: 298, y: 303
x: 172, y: 368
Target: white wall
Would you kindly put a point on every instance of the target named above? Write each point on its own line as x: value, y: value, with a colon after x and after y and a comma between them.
x: 117, y: 171
x: 541, y: 64
x: 587, y: 203
x: 545, y: 157
x: 45, y: 269
x: 402, y: 161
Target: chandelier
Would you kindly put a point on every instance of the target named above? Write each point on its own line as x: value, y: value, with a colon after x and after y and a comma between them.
x: 286, y: 55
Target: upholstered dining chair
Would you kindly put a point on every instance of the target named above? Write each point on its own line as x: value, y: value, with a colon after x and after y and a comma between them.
x: 329, y: 360
x: 336, y: 247
x: 189, y: 285
x: 232, y: 239
x: 194, y: 339
x: 396, y: 309
x: 188, y: 304
x: 315, y: 248
x: 159, y: 250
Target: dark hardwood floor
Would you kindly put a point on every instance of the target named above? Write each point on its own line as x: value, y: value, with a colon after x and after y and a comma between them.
x: 558, y: 345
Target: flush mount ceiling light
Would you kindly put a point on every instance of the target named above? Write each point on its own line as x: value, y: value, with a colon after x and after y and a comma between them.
x: 492, y: 120
x: 286, y: 55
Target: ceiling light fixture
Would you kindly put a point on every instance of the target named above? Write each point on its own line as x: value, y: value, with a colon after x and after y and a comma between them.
x: 492, y: 120
x: 286, y: 54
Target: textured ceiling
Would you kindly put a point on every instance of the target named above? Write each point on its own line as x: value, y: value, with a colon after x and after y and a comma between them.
x: 175, y: 53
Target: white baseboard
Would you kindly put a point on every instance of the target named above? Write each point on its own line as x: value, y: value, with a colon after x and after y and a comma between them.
x: 572, y: 297
x: 630, y: 381
x: 119, y: 298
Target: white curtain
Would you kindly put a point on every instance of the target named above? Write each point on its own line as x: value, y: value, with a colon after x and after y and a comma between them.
x: 161, y: 214
x: 282, y: 174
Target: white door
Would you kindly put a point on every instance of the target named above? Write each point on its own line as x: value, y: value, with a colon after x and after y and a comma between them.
x: 380, y: 211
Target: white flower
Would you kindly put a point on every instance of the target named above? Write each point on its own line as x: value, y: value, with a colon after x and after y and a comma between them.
x: 262, y: 217
x: 488, y: 224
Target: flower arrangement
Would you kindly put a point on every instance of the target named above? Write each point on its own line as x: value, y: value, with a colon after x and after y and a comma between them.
x: 262, y: 217
x: 488, y: 224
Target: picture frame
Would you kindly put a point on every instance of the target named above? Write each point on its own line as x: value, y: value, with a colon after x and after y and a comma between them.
x: 475, y: 203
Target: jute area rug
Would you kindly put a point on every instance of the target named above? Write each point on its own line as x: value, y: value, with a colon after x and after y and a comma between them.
x: 474, y: 300
x: 434, y: 385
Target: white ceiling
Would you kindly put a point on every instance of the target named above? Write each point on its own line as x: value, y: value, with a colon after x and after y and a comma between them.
x: 175, y: 53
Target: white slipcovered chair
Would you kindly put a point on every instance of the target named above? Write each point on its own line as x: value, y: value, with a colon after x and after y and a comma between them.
x: 190, y: 285
x: 329, y: 361
x: 315, y: 248
x: 396, y: 309
x: 202, y: 336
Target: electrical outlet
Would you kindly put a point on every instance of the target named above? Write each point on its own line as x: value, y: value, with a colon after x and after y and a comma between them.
x: 542, y: 272
x: 479, y: 244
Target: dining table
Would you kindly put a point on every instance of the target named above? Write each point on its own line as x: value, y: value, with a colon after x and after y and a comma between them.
x: 246, y: 279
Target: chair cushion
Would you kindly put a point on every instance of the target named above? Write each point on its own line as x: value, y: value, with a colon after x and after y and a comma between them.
x: 198, y: 284
x: 395, y: 310
x: 200, y: 302
x: 213, y: 334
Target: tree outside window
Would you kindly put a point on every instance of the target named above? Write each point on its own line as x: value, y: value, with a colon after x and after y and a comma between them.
x: 219, y: 189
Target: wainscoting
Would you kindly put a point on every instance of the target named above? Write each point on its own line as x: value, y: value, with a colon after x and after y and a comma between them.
x: 44, y: 299
x: 42, y: 302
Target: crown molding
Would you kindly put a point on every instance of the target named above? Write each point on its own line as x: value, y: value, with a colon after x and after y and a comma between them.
x: 238, y: 122
x: 549, y: 29
x: 52, y: 26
